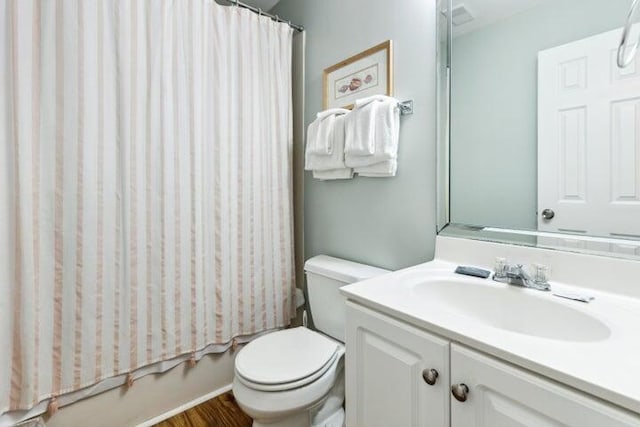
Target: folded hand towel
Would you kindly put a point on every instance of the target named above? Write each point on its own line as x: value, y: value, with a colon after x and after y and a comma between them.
x: 379, y: 170
x: 332, y: 112
x: 360, y: 130
x: 364, y: 101
x: 336, y: 159
x: 319, y: 136
x: 333, y: 174
x: 386, y: 134
x: 320, y: 132
x: 324, y: 141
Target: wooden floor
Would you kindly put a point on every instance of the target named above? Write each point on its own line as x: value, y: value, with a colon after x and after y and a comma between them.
x: 223, y: 411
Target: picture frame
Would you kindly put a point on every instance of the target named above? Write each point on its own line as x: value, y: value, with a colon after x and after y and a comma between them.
x: 367, y: 73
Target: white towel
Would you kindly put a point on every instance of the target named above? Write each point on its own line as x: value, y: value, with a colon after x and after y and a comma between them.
x: 320, y: 132
x: 332, y: 111
x: 324, y: 138
x: 345, y: 173
x: 336, y: 159
x: 360, y: 130
x: 386, y: 134
x: 364, y: 101
x: 379, y: 170
x: 320, y: 136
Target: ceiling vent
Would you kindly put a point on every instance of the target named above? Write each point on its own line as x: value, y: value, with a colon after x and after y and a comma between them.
x: 460, y: 15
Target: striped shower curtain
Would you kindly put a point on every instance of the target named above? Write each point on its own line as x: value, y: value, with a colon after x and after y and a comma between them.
x: 145, y: 186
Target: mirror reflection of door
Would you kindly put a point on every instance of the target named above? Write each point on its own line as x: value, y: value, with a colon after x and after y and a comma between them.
x: 545, y: 127
x: 588, y: 139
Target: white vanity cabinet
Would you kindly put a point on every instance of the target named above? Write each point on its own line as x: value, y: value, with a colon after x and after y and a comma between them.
x: 391, y: 370
x: 501, y: 395
x: 388, y: 367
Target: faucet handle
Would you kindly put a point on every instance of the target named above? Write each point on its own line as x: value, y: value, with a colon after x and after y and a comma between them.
x: 540, y: 273
x: 500, y: 266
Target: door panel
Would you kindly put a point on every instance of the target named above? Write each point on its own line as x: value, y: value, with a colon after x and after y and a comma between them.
x: 384, y: 373
x: 501, y: 395
x: 589, y: 139
x: 502, y: 411
x: 625, y: 151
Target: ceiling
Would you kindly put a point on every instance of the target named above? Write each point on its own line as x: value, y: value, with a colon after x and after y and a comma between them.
x: 486, y: 12
x: 265, y: 5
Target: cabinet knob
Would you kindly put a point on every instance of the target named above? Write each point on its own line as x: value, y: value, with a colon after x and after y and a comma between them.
x: 430, y: 376
x: 460, y: 392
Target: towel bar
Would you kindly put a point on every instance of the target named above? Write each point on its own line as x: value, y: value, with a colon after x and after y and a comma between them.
x: 406, y: 107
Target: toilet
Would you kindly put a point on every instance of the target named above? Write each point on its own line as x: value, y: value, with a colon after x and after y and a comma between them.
x: 295, y: 377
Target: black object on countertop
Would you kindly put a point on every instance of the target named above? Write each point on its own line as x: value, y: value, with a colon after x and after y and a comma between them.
x: 473, y: 271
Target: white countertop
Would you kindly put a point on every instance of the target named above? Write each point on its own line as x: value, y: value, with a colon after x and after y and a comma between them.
x: 608, y: 369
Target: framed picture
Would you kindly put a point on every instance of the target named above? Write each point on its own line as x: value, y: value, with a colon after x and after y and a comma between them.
x: 365, y: 74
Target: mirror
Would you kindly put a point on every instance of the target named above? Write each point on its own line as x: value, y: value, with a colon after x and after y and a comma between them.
x: 543, y: 136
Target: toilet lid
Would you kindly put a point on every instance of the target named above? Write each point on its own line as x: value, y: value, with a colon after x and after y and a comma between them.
x: 285, y: 356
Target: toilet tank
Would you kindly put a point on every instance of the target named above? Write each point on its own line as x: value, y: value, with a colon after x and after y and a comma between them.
x: 325, y: 276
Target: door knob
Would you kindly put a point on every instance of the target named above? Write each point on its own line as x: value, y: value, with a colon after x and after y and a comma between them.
x: 460, y: 392
x: 430, y: 376
x: 548, y: 214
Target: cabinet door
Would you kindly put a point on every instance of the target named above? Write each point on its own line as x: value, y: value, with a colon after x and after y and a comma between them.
x: 385, y: 363
x: 501, y: 395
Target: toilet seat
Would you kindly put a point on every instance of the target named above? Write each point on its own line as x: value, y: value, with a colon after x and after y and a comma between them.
x: 286, y: 359
x: 289, y: 385
x: 273, y: 405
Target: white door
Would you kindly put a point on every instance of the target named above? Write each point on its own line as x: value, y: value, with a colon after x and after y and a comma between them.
x: 589, y: 139
x: 389, y: 370
x: 501, y: 395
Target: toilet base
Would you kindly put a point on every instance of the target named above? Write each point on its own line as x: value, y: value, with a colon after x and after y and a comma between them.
x: 295, y: 420
x: 329, y: 412
x: 337, y: 419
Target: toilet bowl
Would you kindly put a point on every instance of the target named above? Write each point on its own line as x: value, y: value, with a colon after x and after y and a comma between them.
x: 299, y: 375
x: 295, y: 377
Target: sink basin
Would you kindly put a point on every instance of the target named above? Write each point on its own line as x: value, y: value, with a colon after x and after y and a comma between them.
x: 513, y: 309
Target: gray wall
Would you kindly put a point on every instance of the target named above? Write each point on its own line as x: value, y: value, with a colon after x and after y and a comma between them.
x: 387, y: 222
x: 494, y: 104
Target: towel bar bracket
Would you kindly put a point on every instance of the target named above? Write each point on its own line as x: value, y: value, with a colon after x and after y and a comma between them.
x: 406, y: 107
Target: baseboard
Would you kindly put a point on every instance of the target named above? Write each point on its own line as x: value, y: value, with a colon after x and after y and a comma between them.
x: 195, y: 402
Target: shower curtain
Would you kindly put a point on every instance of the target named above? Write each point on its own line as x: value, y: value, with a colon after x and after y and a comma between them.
x: 145, y: 185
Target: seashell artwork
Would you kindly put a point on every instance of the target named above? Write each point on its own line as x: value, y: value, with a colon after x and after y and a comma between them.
x: 367, y: 73
x: 356, y: 82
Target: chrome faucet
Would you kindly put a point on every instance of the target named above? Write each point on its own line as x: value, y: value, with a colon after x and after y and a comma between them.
x: 516, y: 274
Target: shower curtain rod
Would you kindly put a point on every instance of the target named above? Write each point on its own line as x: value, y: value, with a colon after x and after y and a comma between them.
x: 259, y: 11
